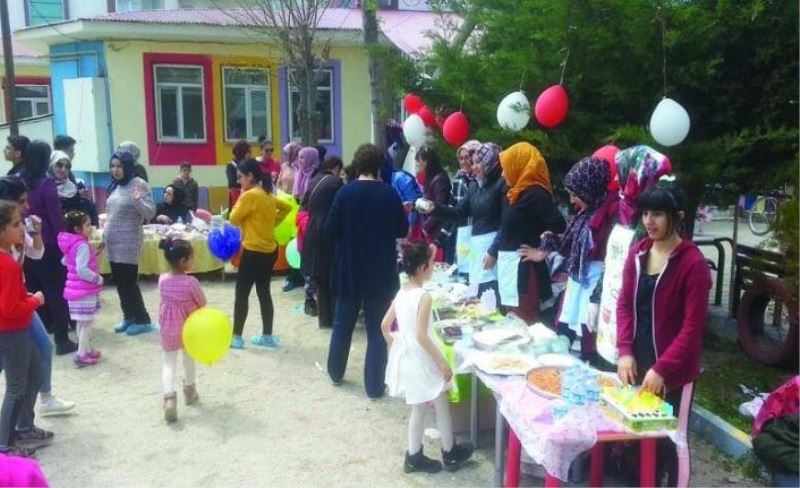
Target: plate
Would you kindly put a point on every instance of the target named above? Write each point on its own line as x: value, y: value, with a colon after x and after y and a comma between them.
x: 491, y: 338
x: 545, y: 370
x: 557, y: 360
x: 506, y: 364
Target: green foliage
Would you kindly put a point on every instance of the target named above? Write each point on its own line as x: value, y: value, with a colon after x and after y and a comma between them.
x: 733, y: 65
x: 786, y: 234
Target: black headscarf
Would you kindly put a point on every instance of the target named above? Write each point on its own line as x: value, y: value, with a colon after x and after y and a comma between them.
x: 128, y: 173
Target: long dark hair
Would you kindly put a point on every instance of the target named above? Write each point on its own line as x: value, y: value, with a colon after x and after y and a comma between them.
x: 127, y: 161
x: 664, y: 197
x: 433, y: 167
x: 37, y: 161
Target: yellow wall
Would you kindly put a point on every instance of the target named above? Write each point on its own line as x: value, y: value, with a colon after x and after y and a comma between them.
x: 21, y: 70
x: 126, y: 92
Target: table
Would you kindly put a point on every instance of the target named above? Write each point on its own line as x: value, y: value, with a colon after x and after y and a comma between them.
x: 152, y: 262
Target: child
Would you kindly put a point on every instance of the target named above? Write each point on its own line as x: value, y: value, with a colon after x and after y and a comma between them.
x: 180, y: 295
x: 21, y: 362
x: 84, y: 283
x: 416, y: 368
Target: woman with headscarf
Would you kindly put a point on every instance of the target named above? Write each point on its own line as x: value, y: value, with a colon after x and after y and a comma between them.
x: 460, y: 182
x: 483, y: 204
x: 583, y: 245
x: 307, y: 164
x: 70, y: 189
x: 528, y: 212
x: 138, y: 169
x: 129, y: 203
x: 241, y: 151
x: 173, y: 207
x: 286, y: 177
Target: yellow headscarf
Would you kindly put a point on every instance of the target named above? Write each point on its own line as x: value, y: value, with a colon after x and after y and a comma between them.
x: 524, y: 167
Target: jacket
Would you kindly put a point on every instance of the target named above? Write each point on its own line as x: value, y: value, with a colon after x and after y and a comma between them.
x: 438, y: 191
x: 317, y: 253
x: 484, y: 204
x: 16, y: 304
x: 43, y: 201
x: 83, y: 272
x: 680, y: 310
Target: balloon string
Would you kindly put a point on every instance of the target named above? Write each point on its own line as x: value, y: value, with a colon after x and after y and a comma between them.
x: 461, y: 105
x: 564, y: 67
x: 663, y: 49
x: 521, y: 80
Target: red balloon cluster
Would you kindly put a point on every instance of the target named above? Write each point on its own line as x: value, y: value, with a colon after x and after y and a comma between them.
x: 552, y: 106
x: 455, y: 127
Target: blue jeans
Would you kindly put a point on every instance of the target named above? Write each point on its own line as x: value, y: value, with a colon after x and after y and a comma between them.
x: 343, y: 324
x: 41, y: 341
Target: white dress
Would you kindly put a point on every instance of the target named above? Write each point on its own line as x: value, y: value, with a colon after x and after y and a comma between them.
x: 410, y: 371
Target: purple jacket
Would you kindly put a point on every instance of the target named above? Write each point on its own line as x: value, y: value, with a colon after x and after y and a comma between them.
x: 83, y: 278
x: 44, y: 203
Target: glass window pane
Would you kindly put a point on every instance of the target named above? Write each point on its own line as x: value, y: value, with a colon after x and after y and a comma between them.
x: 24, y: 109
x: 42, y: 12
x: 31, y: 91
x: 173, y: 74
x: 235, y: 113
x: 258, y: 113
x: 168, y: 104
x: 324, y: 78
x: 42, y: 108
x: 242, y: 76
x: 324, y: 110
x: 193, y: 114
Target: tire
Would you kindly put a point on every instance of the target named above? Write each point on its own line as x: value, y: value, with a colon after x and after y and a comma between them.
x: 764, y: 342
x: 763, y: 215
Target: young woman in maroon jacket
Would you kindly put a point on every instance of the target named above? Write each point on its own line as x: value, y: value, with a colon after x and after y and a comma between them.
x: 662, y: 308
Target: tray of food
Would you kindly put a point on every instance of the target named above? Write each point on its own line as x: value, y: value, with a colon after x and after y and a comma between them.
x: 547, y: 381
x: 494, y: 337
x: 506, y: 364
x: 638, y: 411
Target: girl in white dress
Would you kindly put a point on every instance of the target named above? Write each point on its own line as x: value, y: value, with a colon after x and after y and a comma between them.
x: 416, y: 368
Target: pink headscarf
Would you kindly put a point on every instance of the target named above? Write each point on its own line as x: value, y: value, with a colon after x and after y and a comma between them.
x: 307, y: 164
x: 290, y: 151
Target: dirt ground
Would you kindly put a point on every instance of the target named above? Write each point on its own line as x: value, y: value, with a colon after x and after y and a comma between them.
x: 265, y: 416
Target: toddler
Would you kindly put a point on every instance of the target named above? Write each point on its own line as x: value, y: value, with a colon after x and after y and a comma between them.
x: 416, y: 368
x: 180, y: 295
x: 84, y: 283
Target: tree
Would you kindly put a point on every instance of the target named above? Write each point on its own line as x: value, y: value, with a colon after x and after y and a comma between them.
x: 380, y: 81
x: 292, y: 26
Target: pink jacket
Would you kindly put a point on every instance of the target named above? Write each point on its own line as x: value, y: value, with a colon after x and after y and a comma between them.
x: 82, y: 280
x: 680, y: 310
x: 785, y: 400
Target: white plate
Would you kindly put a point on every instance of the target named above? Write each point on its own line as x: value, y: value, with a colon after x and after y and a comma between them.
x: 497, y: 336
x: 557, y: 360
x: 489, y: 364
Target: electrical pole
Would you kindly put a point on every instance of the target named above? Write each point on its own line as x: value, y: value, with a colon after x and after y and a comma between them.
x: 8, y: 59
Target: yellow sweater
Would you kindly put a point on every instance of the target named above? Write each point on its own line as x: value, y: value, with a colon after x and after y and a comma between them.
x: 257, y: 213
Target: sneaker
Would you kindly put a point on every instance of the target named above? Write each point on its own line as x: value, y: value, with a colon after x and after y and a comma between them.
x: 237, y: 342
x: 311, y: 308
x: 122, y: 327
x: 54, y: 406
x: 419, y: 463
x: 84, y: 360
x: 289, y: 285
x: 190, y: 396
x: 67, y: 347
x: 19, y: 451
x: 454, y: 458
x: 171, y: 407
x: 95, y: 353
x: 265, y: 340
x: 136, y: 329
x: 33, y: 438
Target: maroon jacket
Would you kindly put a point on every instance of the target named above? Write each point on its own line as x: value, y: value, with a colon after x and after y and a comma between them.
x: 680, y: 310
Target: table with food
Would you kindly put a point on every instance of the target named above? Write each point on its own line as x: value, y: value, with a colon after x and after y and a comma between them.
x: 151, y: 259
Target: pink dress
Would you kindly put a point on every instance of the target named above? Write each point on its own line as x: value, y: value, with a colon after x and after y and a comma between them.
x: 180, y: 296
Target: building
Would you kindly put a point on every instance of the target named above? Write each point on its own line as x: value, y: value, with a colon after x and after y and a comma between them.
x: 186, y: 83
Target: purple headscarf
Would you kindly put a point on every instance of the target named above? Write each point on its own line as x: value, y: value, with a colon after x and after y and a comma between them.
x: 307, y: 164
x: 488, y: 156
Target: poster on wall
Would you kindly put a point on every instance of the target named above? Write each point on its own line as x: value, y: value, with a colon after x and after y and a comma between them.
x: 619, y: 243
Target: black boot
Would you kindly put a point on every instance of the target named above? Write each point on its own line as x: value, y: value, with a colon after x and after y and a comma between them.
x: 311, y: 308
x: 454, y: 458
x: 421, y: 463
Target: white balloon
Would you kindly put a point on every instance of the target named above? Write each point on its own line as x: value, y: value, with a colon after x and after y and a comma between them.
x: 669, y: 124
x: 514, y: 111
x: 415, y: 131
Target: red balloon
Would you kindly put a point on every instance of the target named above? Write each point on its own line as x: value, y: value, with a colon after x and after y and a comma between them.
x: 552, y: 106
x: 608, y: 153
x: 456, y: 129
x: 427, y: 116
x: 412, y: 103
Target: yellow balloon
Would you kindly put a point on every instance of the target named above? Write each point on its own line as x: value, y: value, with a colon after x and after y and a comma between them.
x: 207, y: 335
x: 286, y: 230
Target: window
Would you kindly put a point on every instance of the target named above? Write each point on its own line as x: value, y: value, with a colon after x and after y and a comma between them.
x: 138, y: 5
x: 247, y: 107
x: 41, y: 12
x: 180, y: 107
x: 32, y: 101
x: 324, y: 107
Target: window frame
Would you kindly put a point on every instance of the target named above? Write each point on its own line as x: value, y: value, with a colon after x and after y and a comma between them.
x: 331, y: 96
x: 29, y: 14
x: 250, y: 137
x: 33, y: 100
x: 179, y: 97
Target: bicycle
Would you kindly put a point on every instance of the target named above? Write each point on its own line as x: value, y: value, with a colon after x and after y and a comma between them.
x: 763, y: 214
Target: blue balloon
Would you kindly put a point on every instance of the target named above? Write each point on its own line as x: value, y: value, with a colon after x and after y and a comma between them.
x: 224, y: 243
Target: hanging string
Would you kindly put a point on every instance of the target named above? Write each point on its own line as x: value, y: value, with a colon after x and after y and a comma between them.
x: 663, y: 49
x: 461, y: 105
x: 564, y: 66
x: 522, y: 78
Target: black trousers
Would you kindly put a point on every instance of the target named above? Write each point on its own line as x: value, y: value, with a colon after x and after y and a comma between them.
x: 23, y: 371
x: 255, y: 268
x: 48, y: 275
x: 326, y: 304
x: 126, y: 278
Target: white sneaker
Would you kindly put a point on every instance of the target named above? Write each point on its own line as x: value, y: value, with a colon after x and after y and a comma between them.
x: 54, y: 406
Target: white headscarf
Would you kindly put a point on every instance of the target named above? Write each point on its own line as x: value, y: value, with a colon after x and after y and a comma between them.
x: 66, y: 187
